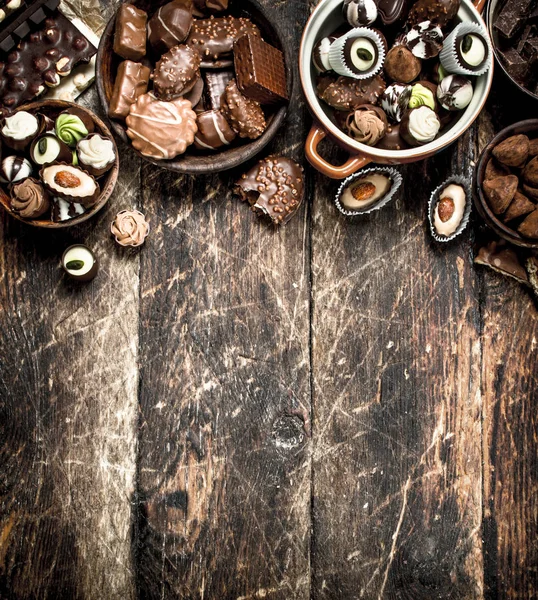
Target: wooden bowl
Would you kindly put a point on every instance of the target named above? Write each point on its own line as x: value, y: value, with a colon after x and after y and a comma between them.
x: 194, y: 162
x: 52, y: 108
x: 530, y: 128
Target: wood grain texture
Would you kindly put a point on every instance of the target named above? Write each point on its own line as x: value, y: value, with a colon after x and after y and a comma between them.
x: 68, y: 406
x: 396, y: 369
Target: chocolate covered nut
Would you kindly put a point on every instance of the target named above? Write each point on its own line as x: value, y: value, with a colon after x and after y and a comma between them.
x: 176, y: 73
x: 500, y: 192
x: 243, y: 114
x: 274, y: 188
x: 402, y: 65
x: 131, y: 82
x: 436, y: 11
x: 519, y: 206
x: 347, y: 94
x: 170, y: 25
x: 214, y: 38
x: 130, y: 32
x: 495, y: 169
x: 260, y: 70
x: 529, y: 227
x: 70, y: 183
x: 530, y: 172
x: 215, y: 86
x: 161, y: 130
x: 502, y: 259
x: 513, y: 152
x: 214, y: 132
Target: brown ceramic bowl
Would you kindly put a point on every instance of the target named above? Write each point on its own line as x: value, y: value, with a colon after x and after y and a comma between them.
x: 530, y: 128
x: 194, y: 161
x: 52, y: 108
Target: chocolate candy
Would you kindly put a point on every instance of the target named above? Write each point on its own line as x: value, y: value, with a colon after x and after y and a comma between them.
x: 519, y: 207
x: 402, y: 65
x: 29, y: 199
x: 516, y: 66
x: 15, y: 168
x: 437, y: 11
x: 512, y: 17
x: 196, y: 94
x: 395, y: 100
x: 215, y: 86
x: 176, y: 73
x: 243, y: 114
x: 131, y: 82
x: 40, y: 60
x: 501, y: 258
x: 130, y: 228
x: 320, y: 55
x: 80, y: 263
x: 7, y: 7
x: 201, y: 7
x: 70, y: 183
x: 455, y: 92
x: 62, y: 210
x: 213, y: 131
x: 260, y: 70
x: 274, y: 188
x: 391, y: 11
x: 472, y: 51
x: 214, y: 39
x: 130, y: 33
x: 500, y: 192
x: 161, y: 130
x: 420, y: 126
x: 425, y: 40
x: 359, y: 13
x: 448, y: 210
x: 48, y: 149
x: 170, y: 25
x: 392, y: 140
x: 367, y: 124
x: 347, y: 94
x: 529, y: 226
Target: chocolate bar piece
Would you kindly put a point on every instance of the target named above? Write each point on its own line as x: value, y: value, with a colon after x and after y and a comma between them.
x: 214, y: 39
x: 130, y: 34
x: 215, y: 86
x: 503, y: 259
x: 516, y: 66
x: 40, y: 60
x: 260, y: 70
x: 25, y: 19
x: 512, y: 17
x: 530, y: 50
x: 131, y: 82
x: 7, y: 7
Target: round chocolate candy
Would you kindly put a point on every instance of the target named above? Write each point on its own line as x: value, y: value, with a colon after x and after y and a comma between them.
x: 15, y: 168
x: 80, y: 263
x: 455, y: 92
x: 420, y: 126
x: 392, y: 140
x: 472, y: 50
x: 320, y: 55
x: 367, y: 124
x: 402, y: 65
x: 425, y: 40
x: 176, y: 73
x: 395, y: 100
x: 359, y: 54
x: 359, y: 13
x: 423, y: 93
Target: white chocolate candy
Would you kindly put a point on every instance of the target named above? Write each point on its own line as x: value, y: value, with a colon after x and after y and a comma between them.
x: 475, y: 54
x: 20, y: 126
x: 424, y: 124
x: 96, y: 151
x: 456, y: 193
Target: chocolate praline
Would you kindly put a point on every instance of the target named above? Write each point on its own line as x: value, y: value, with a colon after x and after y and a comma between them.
x: 472, y: 51
x: 392, y: 140
x: 455, y: 92
x: 359, y: 13
x: 395, y: 100
x: 367, y: 124
x: 425, y: 40
x: 80, y: 263
x: 176, y: 73
x: 402, y: 65
x: 29, y: 199
x: 437, y: 11
x: 420, y: 126
x: 170, y: 25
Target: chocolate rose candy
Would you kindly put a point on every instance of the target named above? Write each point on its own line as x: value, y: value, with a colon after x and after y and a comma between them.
x: 529, y: 227
x: 130, y: 33
x: 367, y: 124
x: 530, y: 173
x: 176, y: 73
x: 243, y: 114
x: 513, y: 151
x: 130, y: 228
x: 170, y: 25
x: 500, y: 192
x: 274, y: 187
x: 519, y: 206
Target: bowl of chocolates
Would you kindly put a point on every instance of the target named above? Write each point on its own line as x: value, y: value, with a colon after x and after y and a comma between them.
x: 392, y: 81
x: 506, y: 184
x: 513, y: 26
x: 194, y: 87
x: 58, y: 164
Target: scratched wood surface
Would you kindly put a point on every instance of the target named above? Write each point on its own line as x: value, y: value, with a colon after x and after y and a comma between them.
x: 337, y: 410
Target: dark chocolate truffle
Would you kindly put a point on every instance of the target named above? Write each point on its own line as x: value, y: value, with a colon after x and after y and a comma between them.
x: 402, y: 65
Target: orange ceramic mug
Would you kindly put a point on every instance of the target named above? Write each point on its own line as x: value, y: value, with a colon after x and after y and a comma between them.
x: 324, y: 20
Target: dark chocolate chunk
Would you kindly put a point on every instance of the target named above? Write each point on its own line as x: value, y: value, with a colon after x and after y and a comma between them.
x: 516, y: 66
x: 512, y: 17
x: 260, y: 70
x: 131, y: 82
x: 170, y: 25
x: 130, y: 33
x: 274, y: 188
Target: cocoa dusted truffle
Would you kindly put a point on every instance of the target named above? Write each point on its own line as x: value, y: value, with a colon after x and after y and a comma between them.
x: 402, y: 65
x: 495, y: 169
x: 513, y: 151
x: 274, y: 188
x: 500, y: 192
x: 519, y: 207
x: 529, y: 227
x: 530, y: 172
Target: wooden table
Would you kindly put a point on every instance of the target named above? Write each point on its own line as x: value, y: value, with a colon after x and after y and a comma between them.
x: 341, y: 409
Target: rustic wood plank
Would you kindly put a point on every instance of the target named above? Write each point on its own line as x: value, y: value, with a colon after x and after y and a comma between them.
x: 510, y: 425
x: 224, y: 471
x: 68, y: 408
x: 396, y: 397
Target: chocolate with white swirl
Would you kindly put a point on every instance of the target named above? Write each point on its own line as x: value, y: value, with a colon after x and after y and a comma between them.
x: 425, y: 40
x: 455, y: 92
x: 29, y: 199
x: 15, y: 168
x: 420, y: 126
x: 395, y: 100
x: 359, y: 13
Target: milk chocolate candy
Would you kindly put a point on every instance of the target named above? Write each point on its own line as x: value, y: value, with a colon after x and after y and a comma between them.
x: 130, y: 34
x: 215, y: 86
x: 176, y: 73
x: 170, y: 25
x: 131, y: 82
x: 213, y: 131
x: 214, y: 39
x: 243, y: 114
x: 203, y: 7
x: 260, y: 70
x: 501, y: 258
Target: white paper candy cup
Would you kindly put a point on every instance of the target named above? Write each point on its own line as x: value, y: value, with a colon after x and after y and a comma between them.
x: 434, y: 198
x: 337, y: 57
x: 396, y: 183
x: 449, y: 56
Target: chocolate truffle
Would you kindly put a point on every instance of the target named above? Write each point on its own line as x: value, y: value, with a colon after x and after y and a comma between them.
x: 495, y: 169
x: 455, y: 92
x: 29, y: 199
x: 131, y: 82
x: 359, y: 13
x: 130, y: 32
x: 274, y: 188
x: 437, y: 11
x: 18, y: 130
x: 96, y: 154
x: 500, y: 192
x: 70, y: 183
x: 395, y: 100
x: 502, y: 259
x: 420, y: 126
x: 170, y: 25
x: 531, y: 192
x: 364, y: 191
x: 130, y: 228
x: 161, y: 130
x: 176, y: 73
x: 425, y: 40
x: 244, y: 115
x: 449, y: 210
x: 80, y: 263
x: 48, y: 149
x: 513, y: 151
x: 214, y: 132
x: 529, y: 227
x: 367, y: 124
x: 519, y: 207
x: 530, y: 172
x: 402, y: 65
x: 392, y: 140
x: 15, y: 168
